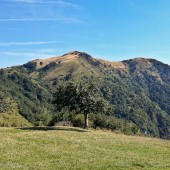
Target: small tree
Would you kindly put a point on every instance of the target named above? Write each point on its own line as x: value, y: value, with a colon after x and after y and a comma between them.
x: 80, y: 98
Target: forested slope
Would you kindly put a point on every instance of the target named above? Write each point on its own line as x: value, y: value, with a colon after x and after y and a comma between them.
x: 138, y: 89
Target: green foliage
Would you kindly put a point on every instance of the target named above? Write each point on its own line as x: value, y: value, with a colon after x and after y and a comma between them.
x: 5, y: 103
x: 9, y: 115
x: 48, y: 67
x: 43, y: 119
x: 31, y: 98
x: 113, y: 123
x: 31, y: 66
x: 63, y: 115
x: 13, y: 119
x: 80, y: 98
x: 78, y: 120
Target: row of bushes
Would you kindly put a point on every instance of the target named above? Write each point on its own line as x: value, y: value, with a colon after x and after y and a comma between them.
x: 96, y: 121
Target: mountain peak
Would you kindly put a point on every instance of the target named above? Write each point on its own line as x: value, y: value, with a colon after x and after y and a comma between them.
x: 78, y: 54
x: 72, y: 53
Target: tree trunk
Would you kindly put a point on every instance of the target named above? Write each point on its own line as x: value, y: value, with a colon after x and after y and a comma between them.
x: 86, y: 123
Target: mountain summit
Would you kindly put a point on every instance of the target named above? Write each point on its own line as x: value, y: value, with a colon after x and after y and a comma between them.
x: 138, y: 89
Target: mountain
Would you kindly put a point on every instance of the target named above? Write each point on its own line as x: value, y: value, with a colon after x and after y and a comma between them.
x: 138, y: 89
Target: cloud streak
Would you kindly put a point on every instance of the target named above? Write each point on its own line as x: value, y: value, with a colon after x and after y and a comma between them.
x: 65, y: 20
x: 26, y: 43
x: 26, y: 55
x: 25, y: 1
x: 40, y: 2
x: 42, y: 11
x: 43, y: 52
x: 61, y: 19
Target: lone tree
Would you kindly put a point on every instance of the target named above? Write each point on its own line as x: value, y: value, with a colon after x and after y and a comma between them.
x: 80, y: 98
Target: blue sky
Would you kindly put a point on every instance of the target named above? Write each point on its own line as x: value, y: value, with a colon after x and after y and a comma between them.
x: 110, y: 29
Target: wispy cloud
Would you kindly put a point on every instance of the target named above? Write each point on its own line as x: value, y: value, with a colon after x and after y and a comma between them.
x: 18, y: 58
x: 65, y: 20
x: 25, y: 43
x: 41, y: 11
x: 47, y: 2
x: 27, y: 56
x: 26, y: 1
x: 11, y: 58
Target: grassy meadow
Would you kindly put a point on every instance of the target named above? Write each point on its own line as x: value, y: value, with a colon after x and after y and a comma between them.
x: 73, y: 148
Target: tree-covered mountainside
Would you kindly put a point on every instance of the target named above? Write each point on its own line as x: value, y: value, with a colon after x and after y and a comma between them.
x: 9, y: 115
x: 137, y: 89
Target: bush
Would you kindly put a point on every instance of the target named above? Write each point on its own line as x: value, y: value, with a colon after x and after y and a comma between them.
x: 78, y: 120
x: 63, y: 115
x: 113, y: 123
x: 96, y: 121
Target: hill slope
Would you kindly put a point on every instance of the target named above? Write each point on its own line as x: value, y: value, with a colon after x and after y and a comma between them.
x: 70, y: 148
x: 138, y: 89
x: 9, y: 115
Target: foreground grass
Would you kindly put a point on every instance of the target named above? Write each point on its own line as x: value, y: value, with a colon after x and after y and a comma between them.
x: 70, y: 148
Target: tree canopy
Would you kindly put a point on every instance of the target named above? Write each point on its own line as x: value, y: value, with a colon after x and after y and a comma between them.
x: 81, y: 98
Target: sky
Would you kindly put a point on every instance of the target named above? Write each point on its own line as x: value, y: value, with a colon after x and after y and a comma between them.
x: 113, y: 30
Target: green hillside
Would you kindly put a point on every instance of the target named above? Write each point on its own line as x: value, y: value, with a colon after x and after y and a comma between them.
x: 137, y: 89
x: 13, y: 120
x: 9, y: 113
x: 70, y: 148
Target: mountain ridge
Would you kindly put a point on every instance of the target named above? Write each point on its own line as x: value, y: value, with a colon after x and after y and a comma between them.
x: 138, y: 89
x: 77, y: 54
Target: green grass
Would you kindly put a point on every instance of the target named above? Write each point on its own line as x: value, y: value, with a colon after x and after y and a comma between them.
x: 72, y: 148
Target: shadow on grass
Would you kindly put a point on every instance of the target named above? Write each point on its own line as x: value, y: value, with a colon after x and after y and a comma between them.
x: 65, y: 128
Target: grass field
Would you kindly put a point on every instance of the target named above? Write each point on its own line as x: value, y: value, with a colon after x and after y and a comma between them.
x: 72, y: 148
